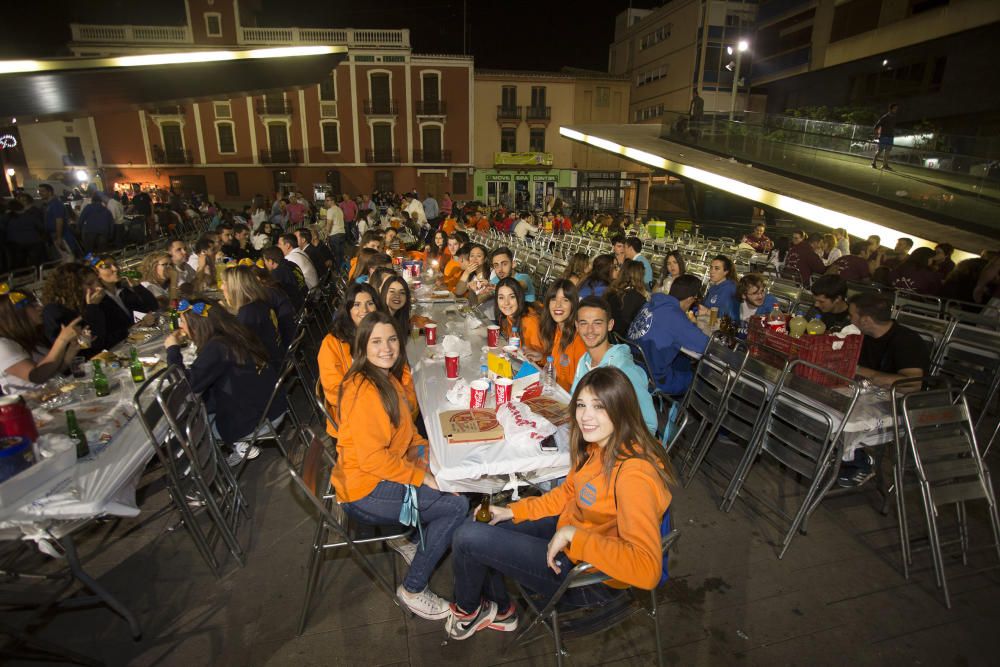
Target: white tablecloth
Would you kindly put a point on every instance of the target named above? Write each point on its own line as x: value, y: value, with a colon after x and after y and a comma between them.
x: 474, y: 467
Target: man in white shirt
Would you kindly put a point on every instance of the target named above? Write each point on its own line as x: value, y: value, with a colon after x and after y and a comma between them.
x: 118, y: 215
x: 338, y: 231
x: 524, y: 228
x: 416, y: 210
x: 179, y: 257
x: 293, y: 253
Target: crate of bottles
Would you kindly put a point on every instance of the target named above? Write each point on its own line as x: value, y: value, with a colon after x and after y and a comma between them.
x: 776, y: 348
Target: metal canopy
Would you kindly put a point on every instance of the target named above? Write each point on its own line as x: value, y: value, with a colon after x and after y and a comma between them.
x: 68, y: 88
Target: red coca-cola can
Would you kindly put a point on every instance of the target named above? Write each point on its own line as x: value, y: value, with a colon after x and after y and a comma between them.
x: 431, y: 333
x: 493, y: 335
x: 16, y: 419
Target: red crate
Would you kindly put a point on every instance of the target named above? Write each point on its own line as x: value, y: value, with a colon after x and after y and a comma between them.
x: 777, y: 348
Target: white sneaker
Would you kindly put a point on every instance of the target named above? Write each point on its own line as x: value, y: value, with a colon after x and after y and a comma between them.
x: 404, y: 547
x: 425, y: 604
x: 241, y: 451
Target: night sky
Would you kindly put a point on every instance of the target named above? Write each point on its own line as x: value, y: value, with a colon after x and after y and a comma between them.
x: 505, y: 34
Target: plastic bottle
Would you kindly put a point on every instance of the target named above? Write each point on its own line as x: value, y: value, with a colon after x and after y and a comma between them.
x: 776, y: 320
x: 515, y: 338
x: 484, y: 375
x: 549, y: 376
x: 797, y: 325
x: 816, y: 327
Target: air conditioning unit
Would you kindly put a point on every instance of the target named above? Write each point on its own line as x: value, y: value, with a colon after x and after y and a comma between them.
x: 328, y: 109
x: 223, y: 110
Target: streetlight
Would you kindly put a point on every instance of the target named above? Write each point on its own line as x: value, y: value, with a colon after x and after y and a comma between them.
x: 741, y: 46
x: 81, y: 175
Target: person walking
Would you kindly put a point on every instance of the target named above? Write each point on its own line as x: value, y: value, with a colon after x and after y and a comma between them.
x: 885, y: 133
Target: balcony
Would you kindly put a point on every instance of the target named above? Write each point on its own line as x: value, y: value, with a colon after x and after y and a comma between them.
x: 167, y: 110
x: 509, y: 114
x: 280, y: 156
x: 531, y: 159
x: 543, y: 114
x: 381, y: 156
x: 381, y: 108
x: 273, y: 108
x: 150, y: 34
x: 432, y: 156
x: 347, y: 36
x: 431, y: 108
x: 171, y: 156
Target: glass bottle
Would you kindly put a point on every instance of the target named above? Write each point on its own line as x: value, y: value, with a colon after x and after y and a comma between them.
x: 135, y: 367
x: 175, y: 318
x: 101, y: 385
x: 76, y: 434
x: 483, y: 514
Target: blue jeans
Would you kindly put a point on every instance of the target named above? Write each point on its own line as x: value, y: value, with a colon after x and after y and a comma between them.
x: 483, y: 554
x: 440, y: 514
x: 336, y: 242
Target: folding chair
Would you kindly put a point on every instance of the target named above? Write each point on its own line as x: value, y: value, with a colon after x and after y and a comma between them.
x: 949, y: 468
x: 310, y: 467
x: 580, y: 622
x: 200, y: 483
x: 917, y: 303
x: 934, y: 330
x: 973, y: 353
x: 801, y: 436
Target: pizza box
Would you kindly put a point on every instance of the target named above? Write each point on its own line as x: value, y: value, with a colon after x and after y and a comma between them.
x: 554, y: 411
x: 476, y: 425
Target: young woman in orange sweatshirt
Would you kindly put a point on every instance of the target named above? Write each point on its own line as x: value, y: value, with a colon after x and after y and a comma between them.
x: 558, y: 331
x: 512, y: 311
x: 378, y: 457
x: 608, y: 512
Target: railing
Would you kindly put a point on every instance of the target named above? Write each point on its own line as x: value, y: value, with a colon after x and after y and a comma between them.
x: 381, y: 108
x: 954, y: 189
x: 380, y: 156
x: 508, y: 113
x: 274, y: 108
x: 346, y: 36
x: 432, y: 156
x: 167, y: 110
x: 539, y: 113
x: 171, y: 156
x: 431, y: 108
x: 280, y: 156
x: 162, y: 34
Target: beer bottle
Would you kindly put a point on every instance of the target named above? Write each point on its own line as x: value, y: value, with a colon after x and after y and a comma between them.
x: 135, y: 367
x: 483, y: 514
x: 76, y: 434
x: 101, y: 386
x: 175, y: 318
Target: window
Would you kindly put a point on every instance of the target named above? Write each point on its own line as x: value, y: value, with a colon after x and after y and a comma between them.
x: 430, y: 136
x: 853, y: 18
x: 222, y: 110
x: 331, y: 137
x: 536, y: 142
x: 213, y: 24
x: 333, y: 180
x: 603, y: 97
x: 459, y: 183
x: 431, y: 87
x: 74, y: 151
x: 381, y: 95
x: 538, y: 97
x: 227, y: 137
x: 382, y: 141
x: 508, y: 95
x: 383, y: 181
x: 508, y: 140
x: 328, y: 89
x: 232, y: 183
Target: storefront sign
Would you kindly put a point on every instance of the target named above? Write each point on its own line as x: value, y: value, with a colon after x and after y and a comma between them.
x: 527, y: 159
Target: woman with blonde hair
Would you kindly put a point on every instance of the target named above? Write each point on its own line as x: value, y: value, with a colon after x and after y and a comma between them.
x: 159, y: 276
x: 577, y: 268
x: 248, y: 300
x: 831, y: 249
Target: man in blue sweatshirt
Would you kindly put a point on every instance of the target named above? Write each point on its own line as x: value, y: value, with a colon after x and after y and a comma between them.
x: 662, y: 328
x: 594, y: 324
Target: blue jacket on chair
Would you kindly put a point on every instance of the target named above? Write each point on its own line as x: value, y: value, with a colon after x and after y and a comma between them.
x: 661, y: 329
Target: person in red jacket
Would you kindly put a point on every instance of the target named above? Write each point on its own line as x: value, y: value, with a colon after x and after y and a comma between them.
x: 608, y: 512
x: 802, y: 258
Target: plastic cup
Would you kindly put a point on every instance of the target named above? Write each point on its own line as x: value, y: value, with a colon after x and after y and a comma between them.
x: 431, y: 333
x: 451, y: 366
x: 477, y: 393
x: 493, y: 335
x: 504, y: 386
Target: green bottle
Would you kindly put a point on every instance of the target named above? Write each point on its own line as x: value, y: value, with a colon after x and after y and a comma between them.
x: 101, y: 386
x: 130, y: 274
x: 175, y: 318
x: 135, y: 367
x: 76, y: 434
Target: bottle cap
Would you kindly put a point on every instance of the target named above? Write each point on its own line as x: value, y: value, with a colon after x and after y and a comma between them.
x: 550, y: 357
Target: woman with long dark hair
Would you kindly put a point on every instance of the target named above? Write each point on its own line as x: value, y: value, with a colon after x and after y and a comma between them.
x: 395, y: 296
x: 558, y: 331
x: 73, y: 291
x: 232, y: 373
x: 123, y: 297
x: 597, y: 281
x: 26, y: 358
x: 475, y: 278
x: 627, y: 295
x: 514, y: 315
x: 721, y: 291
x: 377, y: 461
x: 608, y: 512
x: 916, y: 274
x: 673, y: 268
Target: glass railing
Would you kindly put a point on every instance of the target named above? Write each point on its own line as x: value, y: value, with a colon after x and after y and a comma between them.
x: 950, y: 187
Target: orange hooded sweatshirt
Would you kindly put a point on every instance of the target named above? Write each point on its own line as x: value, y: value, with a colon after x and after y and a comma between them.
x: 369, y: 448
x: 621, y: 539
x: 565, y: 361
x: 530, y: 331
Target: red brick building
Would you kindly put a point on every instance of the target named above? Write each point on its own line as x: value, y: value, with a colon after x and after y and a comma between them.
x: 386, y: 118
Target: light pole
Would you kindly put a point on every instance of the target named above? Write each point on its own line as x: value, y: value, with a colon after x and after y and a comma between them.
x: 741, y: 46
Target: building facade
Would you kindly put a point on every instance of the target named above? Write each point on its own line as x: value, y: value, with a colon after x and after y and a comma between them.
x: 385, y: 119
x: 928, y: 55
x: 521, y: 159
x: 669, y: 52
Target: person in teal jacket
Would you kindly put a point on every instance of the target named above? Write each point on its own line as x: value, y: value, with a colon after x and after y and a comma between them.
x: 594, y: 324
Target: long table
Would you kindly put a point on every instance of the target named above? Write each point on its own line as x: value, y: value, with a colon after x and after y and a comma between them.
x: 477, y: 467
